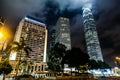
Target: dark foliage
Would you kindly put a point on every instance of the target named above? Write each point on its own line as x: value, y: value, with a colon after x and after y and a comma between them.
x: 75, y: 57
x: 55, y: 56
x: 98, y: 65
x: 5, y: 67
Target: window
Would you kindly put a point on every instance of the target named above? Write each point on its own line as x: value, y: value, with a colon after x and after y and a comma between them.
x: 63, y: 24
x: 64, y: 35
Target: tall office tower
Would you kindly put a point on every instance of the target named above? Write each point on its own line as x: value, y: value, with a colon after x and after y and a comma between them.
x: 52, y: 38
x: 92, y: 42
x: 62, y: 34
x: 35, y: 36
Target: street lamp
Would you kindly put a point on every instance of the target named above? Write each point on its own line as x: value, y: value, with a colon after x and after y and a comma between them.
x: 1, y: 46
x: 1, y: 35
x: 4, y: 37
x: 117, y: 60
x: 3, y: 42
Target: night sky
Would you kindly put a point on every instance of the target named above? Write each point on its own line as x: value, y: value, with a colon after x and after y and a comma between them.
x: 106, y: 14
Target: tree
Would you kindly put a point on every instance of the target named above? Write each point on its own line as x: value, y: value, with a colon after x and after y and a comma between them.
x: 23, y: 66
x: 103, y: 65
x: 20, y: 47
x: 55, y: 56
x: 92, y: 64
x: 5, y: 67
x: 75, y: 57
x: 98, y: 65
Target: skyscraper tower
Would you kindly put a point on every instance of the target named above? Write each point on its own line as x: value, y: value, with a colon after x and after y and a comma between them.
x: 62, y: 32
x: 92, y: 42
x: 35, y: 36
x: 52, y: 38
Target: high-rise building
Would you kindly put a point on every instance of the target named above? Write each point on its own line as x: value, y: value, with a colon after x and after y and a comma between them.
x: 92, y: 42
x: 52, y: 38
x: 35, y: 36
x: 62, y: 32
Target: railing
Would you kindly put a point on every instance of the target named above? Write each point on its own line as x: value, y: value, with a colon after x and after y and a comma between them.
x: 81, y: 78
x: 70, y: 78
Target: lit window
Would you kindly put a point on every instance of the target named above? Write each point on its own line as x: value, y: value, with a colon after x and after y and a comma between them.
x: 63, y: 24
x: 64, y: 35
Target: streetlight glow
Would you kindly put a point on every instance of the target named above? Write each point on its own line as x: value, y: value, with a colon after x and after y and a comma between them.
x: 1, y: 35
x: 117, y: 58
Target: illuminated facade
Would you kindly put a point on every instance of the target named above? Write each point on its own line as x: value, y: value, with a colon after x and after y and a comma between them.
x: 62, y: 34
x: 35, y: 36
x: 92, y: 42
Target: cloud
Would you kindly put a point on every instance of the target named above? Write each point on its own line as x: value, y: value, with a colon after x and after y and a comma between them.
x: 73, y: 4
x: 23, y: 7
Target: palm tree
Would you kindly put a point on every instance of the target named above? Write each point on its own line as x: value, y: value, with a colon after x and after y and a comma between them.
x: 23, y: 66
x: 20, y: 47
x: 5, y: 66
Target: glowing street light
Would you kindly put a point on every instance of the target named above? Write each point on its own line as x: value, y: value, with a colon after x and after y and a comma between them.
x: 1, y: 35
x: 117, y: 62
x: 117, y: 58
x: 4, y: 36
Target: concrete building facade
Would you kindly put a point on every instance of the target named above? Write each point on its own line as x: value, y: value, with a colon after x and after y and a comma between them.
x: 35, y: 36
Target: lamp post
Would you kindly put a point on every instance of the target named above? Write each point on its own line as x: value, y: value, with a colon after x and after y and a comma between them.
x: 117, y: 60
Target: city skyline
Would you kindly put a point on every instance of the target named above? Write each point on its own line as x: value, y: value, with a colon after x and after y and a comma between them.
x: 106, y: 14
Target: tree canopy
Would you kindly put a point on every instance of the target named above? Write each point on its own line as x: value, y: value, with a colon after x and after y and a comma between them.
x: 20, y: 47
x: 75, y: 57
x: 98, y: 65
x: 55, y: 56
x: 5, y: 67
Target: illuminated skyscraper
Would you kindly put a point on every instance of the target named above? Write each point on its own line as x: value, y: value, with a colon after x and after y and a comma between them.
x: 62, y: 33
x: 92, y: 42
x: 35, y: 36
